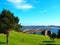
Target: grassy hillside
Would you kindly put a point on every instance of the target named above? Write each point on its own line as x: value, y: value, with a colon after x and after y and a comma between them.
x: 26, y: 39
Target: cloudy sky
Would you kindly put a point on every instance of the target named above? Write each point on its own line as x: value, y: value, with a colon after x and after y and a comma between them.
x: 34, y: 12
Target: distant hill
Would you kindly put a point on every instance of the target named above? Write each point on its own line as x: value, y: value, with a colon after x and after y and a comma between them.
x: 35, y: 27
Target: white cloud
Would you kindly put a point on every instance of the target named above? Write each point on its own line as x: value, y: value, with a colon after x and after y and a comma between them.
x: 24, y: 6
x: 21, y: 4
x: 15, y: 1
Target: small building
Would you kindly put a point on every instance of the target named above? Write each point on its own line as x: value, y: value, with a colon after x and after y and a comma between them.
x: 46, y: 32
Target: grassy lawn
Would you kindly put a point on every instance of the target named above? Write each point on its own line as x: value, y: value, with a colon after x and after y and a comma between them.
x: 16, y: 38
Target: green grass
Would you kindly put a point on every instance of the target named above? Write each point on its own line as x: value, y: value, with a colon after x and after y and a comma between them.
x: 16, y: 38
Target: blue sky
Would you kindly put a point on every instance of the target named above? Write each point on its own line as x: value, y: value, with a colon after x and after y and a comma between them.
x: 34, y: 12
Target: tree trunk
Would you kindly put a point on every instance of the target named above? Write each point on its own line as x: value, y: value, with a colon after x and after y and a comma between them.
x: 7, y: 36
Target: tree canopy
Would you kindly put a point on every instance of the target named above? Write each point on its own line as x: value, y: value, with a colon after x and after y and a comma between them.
x: 8, y: 21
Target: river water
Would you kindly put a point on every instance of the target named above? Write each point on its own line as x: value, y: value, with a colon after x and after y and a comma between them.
x: 53, y: 29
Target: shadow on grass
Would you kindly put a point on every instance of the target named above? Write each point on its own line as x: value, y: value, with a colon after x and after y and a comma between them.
x: 48, y: 44
x: 3, y: 43
x: 48, y: 41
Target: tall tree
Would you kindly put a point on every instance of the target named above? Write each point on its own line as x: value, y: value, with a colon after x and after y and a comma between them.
x: 8, y: 22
